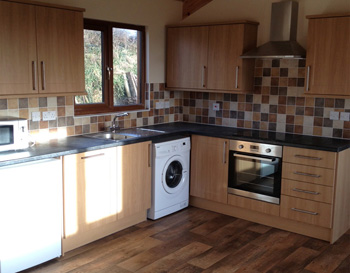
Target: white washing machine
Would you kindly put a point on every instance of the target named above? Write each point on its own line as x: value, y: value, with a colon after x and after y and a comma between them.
x: 170, y: 177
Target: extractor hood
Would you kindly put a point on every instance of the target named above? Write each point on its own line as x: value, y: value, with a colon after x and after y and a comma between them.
x: 283, y: 33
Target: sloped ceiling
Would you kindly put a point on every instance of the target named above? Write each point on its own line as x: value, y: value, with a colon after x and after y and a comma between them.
x: 191, y: 6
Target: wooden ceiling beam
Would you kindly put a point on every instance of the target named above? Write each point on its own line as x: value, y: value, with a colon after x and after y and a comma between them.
x: 191, y: 6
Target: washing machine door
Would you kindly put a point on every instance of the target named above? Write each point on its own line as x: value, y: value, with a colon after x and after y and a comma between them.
x: 174, y: 175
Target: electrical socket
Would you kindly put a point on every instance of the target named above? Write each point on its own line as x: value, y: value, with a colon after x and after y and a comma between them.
x: 49, y: 115
x: 36, y: 116
x: 159, y: 105
x: 216, y: 106
x: 345, y: 116
x: 333, y: 115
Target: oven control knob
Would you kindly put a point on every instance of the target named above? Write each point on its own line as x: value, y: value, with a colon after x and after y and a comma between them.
x: 268, y: 150
x: 240, y: 146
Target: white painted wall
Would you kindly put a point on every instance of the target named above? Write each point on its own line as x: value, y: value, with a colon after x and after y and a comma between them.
x: 156, y: 14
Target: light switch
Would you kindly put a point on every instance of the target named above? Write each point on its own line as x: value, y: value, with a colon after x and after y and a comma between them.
x: 36, y: 116
x: 345, y: 116
x: 333, y: 115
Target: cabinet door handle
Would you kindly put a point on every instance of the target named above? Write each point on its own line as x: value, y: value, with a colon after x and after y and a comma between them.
x: 308, y: 78
x: 34, y: 75
x: 43, y: 75
x: 203, y: 76
x: 308, y: 157
x: 91, y: 156
x: 304, y: 211
x: 304, y: 191
x: 237, y: 70
x: 149, y: 155
x: 224, y: 154
x: 308, y: 174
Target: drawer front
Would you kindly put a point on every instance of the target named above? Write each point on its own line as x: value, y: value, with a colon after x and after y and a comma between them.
x: 251, y: 204
x: 310, y: 212
x: 309, y: 157
x: 308, y: 174
x: 307, y: 191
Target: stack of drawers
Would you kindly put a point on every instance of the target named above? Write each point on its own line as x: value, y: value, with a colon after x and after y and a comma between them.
x: 308, y: 186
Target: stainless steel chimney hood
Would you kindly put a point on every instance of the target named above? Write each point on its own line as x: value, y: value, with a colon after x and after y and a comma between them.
x: 283, y: 33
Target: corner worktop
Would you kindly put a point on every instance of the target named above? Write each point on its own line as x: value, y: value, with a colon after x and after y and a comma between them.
x: 162, y: 132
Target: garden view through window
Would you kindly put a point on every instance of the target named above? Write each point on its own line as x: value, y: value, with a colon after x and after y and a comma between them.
x: 114, y: 68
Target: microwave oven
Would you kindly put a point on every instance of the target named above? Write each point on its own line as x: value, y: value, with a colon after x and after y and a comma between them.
x: 13, y: 133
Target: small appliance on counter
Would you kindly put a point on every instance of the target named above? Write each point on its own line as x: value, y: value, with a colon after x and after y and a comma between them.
x: 13, y: 133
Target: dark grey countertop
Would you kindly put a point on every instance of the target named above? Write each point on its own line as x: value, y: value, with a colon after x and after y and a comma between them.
x: 163, y: 132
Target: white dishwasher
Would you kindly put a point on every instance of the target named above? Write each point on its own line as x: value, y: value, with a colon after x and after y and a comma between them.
x: 30, y: 214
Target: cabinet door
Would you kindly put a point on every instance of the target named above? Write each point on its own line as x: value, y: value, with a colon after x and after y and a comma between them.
x: 328, y: 56
x: 17, y: 49
x: 209, y: 168
x: 134, y: 178
x: 187, y: 49
x: 90, y: 191
x: 224, y: 64
x: 60, y: 50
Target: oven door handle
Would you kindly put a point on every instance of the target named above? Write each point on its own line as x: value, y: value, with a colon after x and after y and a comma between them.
x: 254, y: 157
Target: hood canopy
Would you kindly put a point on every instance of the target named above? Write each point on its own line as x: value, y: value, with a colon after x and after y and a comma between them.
x: 283, y: 32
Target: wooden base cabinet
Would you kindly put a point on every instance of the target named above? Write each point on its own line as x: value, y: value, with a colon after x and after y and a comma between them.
x: 105, y: 191
x: 207, y: 57
x: 328, y: 56
x: 209, y: 168
x: 315, y: 187
x: 41, y: 50
x: 314, y: 196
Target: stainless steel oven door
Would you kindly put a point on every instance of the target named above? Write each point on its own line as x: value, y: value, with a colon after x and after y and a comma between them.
x: 254, y: 176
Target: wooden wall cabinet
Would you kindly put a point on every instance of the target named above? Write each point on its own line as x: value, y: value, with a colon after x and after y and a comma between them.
x: 42, y: 50
x: 207, y: 57
x: 328, y: 56
x: 103, y: 193
x: 209, y: 168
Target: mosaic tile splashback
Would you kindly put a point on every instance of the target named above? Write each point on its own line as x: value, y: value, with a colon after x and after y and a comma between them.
x: 67, y: 124
x: 276, y: 104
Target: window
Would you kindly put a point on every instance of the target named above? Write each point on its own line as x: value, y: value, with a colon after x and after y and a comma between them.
x: 114, y: 68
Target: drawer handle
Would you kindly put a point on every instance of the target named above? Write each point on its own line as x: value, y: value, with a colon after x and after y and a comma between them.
x: 90, y: 156
x: 304, y: 211
x: 308, y: 174
x: 304, y: 191
x: 308, y: 157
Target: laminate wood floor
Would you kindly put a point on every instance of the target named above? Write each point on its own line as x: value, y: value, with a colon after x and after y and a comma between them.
x: 195, y: 240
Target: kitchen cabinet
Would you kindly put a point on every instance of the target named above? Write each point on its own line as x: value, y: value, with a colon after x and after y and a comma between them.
x: 30, y: 213
x: 209, y: 168
x: 207, y: 57
x: 314, y: 189
x: 42, y: 50
x: 328, y: 56
x: 105, y: 191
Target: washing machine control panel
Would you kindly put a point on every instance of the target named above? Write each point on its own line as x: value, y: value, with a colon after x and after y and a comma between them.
x: 172, y: 147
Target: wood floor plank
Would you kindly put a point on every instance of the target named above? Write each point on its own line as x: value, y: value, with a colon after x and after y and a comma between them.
x: 212, y: 225
x: 216, y: 254
x: 176, y: 258
x: 152, y: 255
x: 195, y: 240
x: 296, y: 261
x: 234, y: 261
x: 274, y: 253
x: 332, y: 257
x: 344, y: 267
x: 112, y: 258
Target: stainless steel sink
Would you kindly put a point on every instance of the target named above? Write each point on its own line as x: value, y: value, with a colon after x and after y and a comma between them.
x: 112, y: 136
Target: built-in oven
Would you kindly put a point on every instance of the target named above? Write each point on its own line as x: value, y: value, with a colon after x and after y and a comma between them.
x: 255, y: 170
